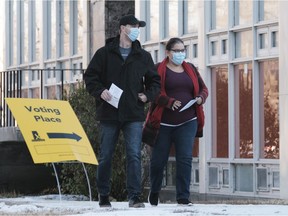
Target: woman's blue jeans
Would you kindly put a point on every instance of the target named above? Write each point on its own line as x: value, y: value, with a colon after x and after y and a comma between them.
x: 132, y: 132
x: 183, y: 139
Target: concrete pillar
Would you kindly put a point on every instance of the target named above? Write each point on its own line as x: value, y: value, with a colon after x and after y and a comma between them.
x: 283, y: 97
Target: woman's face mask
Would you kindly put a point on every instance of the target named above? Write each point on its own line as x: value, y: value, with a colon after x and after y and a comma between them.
x: 178, y: 57
x: 133, y: 34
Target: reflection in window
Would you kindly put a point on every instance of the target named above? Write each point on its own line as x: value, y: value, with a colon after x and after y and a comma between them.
x: 195, y: 50
x: 38, y: 15
x: 51, y: 29
x: 172, y: 18
x: 243, y: 44
x: 79, y: 24
x: 25, y: 39
x: 214, y: 48
x: 153, y: 11
x: 14, y: 33
x: 224, y: 46
x: 263, y: 41
x: 191, y: 16
x: 243, y: 12
x: 274, y: 39
x: 269, y: 102
x: 244, y: 111
x: 268, y: 10
x: 66, y: 26
x: 219, y: 14
x: 220, y: 118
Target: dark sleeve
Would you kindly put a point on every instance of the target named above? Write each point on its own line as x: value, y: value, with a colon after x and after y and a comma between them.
x: 163, y: 100
x: 93, y: 76
x: 151, y: 80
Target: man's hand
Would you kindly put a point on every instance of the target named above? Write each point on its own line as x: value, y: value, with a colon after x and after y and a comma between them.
x: 105, y: 95
x: 142, y: 97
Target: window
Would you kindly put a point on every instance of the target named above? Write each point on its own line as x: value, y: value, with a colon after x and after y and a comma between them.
x: 79, y: 24
x: 243, y: 110
x: 65, y: 27
x: 224, y: 47
x: 219, y: 14
x: 214, y: 48
x: 195, y: 51
x: 263, y: 42
x: 269, y: 103
x: 244, y: 178
x: 262, y: 181
x: 213, y: 177
x: 25, y: 29
x: 171, y: 18
x: 243, y: 44
x: 153, y: 19
x: 225, y: 176
x: 191, y: 16
x: 268, y: 10
x: 220, y: 116
x: 243, y: 12
x: 274, y: 39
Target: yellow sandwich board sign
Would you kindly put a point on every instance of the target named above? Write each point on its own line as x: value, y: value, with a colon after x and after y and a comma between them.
x: 51, y: 130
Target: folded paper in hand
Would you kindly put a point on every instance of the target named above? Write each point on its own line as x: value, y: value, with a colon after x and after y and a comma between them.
x: 189, y: 104
x: 116, y: 93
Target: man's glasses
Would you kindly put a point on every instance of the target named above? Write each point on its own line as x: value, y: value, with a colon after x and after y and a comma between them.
x: 178, y: 50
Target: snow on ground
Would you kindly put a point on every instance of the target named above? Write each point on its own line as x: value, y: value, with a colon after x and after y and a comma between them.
x: 70, y: 205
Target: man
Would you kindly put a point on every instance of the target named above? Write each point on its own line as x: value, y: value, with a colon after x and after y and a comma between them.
x: 124, y: 63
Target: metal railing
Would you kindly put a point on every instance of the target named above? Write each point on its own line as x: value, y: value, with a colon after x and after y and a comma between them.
x: 34, y: 83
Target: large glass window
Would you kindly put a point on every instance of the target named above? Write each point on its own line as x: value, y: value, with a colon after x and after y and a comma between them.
x: 66, y: 26
x: 37, y: 24
x: 25, y: 36
x: 243, y: 44
x: 220, y: 114
x: 268, y: 10
x: 171, y: 21
x: 243, y: 110
x: 219, y: 14
x: 14, y: 32
x: 243, y: 12
x: 79, y: 24
x: 51, y: 29
x: 191, y: 16
x: 152, y: 13
x: 269, y: 103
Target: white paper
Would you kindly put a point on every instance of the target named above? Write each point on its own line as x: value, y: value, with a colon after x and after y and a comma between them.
x: 116, y: 93
x: 189, y: 104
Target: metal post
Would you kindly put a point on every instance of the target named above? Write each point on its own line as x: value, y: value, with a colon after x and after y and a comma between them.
x: 57, y: 179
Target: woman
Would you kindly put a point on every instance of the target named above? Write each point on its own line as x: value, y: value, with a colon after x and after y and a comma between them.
x: 180, y: 83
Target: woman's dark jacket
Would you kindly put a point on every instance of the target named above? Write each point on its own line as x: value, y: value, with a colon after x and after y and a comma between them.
x: 134, y: 75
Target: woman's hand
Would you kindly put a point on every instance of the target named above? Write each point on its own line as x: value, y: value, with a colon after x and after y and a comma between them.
x: 176, y: 105
x: 199, y: 100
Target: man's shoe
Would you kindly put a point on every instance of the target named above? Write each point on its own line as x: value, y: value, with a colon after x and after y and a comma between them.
x: 184, y: 202
x: 153, y: 198
x: 135, y: 202
x: 104, y: 201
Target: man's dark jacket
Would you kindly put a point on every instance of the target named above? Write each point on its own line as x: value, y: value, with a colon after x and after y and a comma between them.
x: 134, y: 75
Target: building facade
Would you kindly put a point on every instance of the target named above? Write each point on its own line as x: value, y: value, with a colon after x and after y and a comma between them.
x: 238, y: 47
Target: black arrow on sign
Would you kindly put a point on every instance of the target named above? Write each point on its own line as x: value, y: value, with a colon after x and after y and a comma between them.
x: 64, y: 136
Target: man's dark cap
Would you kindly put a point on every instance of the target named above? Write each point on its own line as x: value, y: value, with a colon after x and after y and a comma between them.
x: 131, y: 20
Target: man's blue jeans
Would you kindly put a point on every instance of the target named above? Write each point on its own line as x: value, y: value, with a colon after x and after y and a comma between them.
x: 132, y: 132
x: 183, y: 138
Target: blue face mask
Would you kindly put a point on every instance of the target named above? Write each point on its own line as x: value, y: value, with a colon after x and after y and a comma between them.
x: 178, y: 57
x: 134, y: 33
